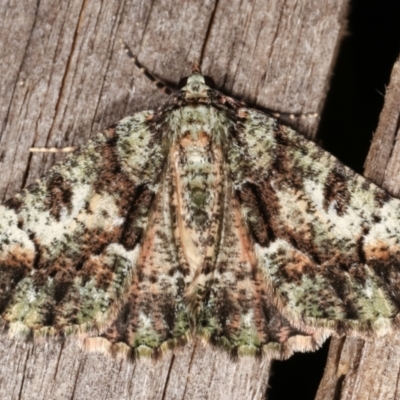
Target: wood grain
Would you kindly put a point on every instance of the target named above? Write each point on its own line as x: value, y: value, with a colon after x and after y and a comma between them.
x: 65, y: 76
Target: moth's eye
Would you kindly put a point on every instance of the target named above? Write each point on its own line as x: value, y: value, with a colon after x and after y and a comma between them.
x: 182, y: 82
x: 209, y: 82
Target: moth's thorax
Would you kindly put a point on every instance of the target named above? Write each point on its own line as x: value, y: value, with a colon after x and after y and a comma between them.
x: 197, y: 170
x: 198, y: 118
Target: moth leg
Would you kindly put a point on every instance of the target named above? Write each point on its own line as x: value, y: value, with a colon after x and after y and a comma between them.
x: 52, y: 149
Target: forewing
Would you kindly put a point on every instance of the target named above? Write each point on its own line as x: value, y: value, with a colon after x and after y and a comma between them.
x: 69, y: 245
x: 240, y: 312
x: 153, y: 316
x: 327, y: 240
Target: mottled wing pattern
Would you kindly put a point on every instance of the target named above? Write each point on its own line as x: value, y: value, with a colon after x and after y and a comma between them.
x: 327, y: 240
x: 239, y: 311
x: 69, y: 245
x: 154, y: 316
x: 205, y: 218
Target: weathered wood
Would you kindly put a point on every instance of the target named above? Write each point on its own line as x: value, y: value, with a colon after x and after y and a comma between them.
x: 65, y: 76
x: 358, y: 370
x: 383, y: 162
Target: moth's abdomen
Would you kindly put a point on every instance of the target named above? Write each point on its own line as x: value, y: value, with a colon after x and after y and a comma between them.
x: 197, y: 175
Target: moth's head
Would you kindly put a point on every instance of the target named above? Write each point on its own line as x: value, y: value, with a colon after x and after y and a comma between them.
x: 195, y: 85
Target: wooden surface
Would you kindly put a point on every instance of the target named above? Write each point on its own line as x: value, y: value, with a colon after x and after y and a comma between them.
x: 358, y: 370
x: 64, y: 76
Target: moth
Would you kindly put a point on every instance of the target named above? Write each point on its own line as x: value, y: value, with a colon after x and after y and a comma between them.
x: 203, y: 218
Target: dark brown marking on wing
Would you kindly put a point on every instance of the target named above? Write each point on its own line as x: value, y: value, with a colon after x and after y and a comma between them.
x: 60, y: 195
x: 118, y: 330
x: 14, y: 204
x: 258, y: 216
x: 10, y: 277
x: 282, y: 170
x: 140, y: 206
x: 360, y: 246
x: 336, y: 276
x: 381, y: 197
x: 336, y: 190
